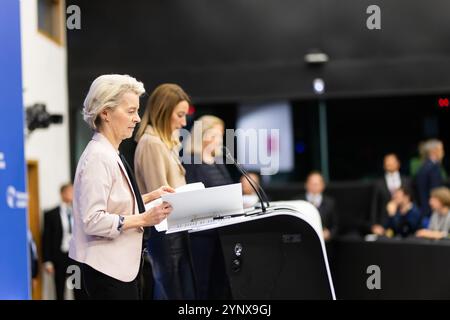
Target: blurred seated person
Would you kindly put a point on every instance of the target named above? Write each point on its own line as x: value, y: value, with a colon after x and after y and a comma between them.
x: 404, y: 215
x: 248, y: 193
x: 440, y: 219
x: 384, y: 188
x: 315, y: 186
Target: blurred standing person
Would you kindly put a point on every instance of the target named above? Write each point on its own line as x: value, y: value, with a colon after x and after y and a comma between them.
x: 384, y: 189
x: 429, y: 175
x: 204, y: 150
x: 416, y: 162
x: 58, y: 223
x: 108, y: 229
x: 157, y: 162
x: 34, y: 260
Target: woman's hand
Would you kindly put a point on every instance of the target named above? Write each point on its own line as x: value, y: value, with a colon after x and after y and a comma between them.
x: 430, y: 234
x: 422, y: 233
x: 378, y: 230
x: 155, y: 194
x: 163, y: 190
x: 157, y: 214
x: 326, y: 234
x: 391, y: 208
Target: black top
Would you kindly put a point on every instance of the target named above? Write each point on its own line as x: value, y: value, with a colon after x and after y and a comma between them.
x: 328, y: 214
x: 134, y: 185
x: 212, y: 175
x: 380, y: 198
x: 428, y: 177
x: 52, y: 237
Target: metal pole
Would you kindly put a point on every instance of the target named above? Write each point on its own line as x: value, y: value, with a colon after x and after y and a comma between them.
x: 323, y: 134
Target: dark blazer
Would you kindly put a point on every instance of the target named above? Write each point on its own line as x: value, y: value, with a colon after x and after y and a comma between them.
x: 381, y: 197
x: 51, y: 242
x: 428, y: 177
x: 52, y: 237
x: 328, y: 214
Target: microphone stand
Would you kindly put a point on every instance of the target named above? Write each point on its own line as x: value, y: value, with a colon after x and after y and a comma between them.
x: 258, y: 190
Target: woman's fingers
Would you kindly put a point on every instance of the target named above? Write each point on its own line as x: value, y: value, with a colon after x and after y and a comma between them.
x: 168, y: 189
x: 164, y: 210
x: 166, y: 206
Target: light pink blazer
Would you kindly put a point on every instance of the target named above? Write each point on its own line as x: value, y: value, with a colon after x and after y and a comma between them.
x: 102, y: 191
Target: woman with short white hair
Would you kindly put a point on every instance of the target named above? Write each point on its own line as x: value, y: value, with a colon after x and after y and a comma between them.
x: 108, y: 209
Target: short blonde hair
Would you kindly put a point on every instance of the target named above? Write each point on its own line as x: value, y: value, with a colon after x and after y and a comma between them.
x: 442, y: 194
x: 194, y: 142
x: 106, y: 92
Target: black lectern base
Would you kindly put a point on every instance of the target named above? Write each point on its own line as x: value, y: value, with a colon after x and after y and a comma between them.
x: 275, y: 257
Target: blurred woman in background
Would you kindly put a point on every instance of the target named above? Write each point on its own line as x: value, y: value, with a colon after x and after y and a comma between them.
x: 204, y: 150
x: 439, y: 226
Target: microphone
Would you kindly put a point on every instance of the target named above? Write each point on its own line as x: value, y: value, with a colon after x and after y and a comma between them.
x: 258, y: 189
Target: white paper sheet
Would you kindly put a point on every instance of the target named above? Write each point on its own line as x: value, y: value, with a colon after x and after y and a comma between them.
x: 162, y: 226
x: 200, y: 206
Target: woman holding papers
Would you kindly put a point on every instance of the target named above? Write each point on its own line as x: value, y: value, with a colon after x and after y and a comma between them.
x: 107, y: 231
x: 204, y: 147
x: 156, y: 163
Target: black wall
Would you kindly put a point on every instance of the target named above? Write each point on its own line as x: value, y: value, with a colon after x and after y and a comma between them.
x: 231, y: 50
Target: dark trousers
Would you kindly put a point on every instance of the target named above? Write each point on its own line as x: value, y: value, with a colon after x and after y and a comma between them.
x: 99, y: 286
x: 172, y: 267
x: 61, y: 264
x: 209, y: 266
x: 146, y: 278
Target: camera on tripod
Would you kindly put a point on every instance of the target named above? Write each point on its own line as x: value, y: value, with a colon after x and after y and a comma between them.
x: 38, y: 117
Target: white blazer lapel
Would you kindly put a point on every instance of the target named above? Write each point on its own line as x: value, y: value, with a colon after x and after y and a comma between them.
x: 102, y: 139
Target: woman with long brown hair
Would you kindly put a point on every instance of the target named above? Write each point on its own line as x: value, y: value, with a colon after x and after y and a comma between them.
x: 157, y: 162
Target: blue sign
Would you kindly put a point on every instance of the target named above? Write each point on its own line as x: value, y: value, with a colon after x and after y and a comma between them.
x: 14, y: 249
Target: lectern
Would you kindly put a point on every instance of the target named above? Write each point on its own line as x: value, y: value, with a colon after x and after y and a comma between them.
x: 279, y: 254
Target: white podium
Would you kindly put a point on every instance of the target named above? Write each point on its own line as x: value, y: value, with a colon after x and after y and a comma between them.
x: 276, y: 255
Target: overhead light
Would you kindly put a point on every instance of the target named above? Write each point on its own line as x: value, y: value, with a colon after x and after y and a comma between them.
x: 316, y: 57
x: 319, y: 86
